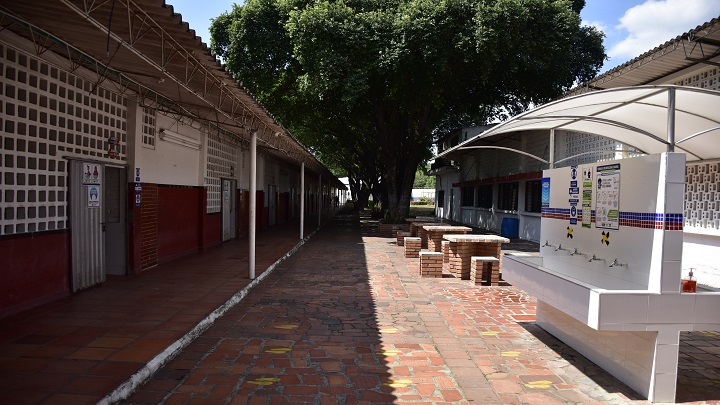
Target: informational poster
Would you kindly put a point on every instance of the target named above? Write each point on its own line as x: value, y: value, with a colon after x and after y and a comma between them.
x: 92, y: 173
x: 574, y: 193
x: 587, y: 192
x: 545, y: 202
x: 607, y: 199
x: 93, y: 196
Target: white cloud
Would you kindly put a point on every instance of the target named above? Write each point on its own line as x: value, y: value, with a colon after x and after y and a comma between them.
x: 654, y: 22
x: 599, y: 25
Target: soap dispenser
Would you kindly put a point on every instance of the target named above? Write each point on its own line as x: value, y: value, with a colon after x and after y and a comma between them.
x: 689, y: 283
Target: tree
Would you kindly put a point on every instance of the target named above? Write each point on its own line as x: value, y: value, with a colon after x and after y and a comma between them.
x: 369, y: 82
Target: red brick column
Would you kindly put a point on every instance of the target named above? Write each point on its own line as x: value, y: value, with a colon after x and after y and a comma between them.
x: 460, y: 254
x: 148, y: 226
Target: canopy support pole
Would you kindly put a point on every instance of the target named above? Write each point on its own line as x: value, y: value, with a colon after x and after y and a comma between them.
x: 671, y: 120
x: 253, y: 205
x: 552, y: 149
x: 302, y: 200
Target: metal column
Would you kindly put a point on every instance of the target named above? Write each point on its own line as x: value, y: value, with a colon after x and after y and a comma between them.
x: 552, y: 149
x: 302, y: 200
x: 319, y: 205
x: 253, y: 204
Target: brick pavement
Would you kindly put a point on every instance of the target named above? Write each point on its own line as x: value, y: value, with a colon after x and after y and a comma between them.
x: 349, y: 320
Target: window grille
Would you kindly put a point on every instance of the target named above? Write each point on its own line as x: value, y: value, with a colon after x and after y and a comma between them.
x: 485, y: 196
x: 702, y: 196
x: 468, y: 196
x: 508, y: 196
x: 148, y: 128
x: 222, y: 155
x: 533, y: 196
x: 46, y: 113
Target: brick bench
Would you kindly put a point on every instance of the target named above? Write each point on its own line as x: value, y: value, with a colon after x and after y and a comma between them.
x: 401, y: 237
x: 413, y: 245
x: 485, y: 268
x: 431, y: 264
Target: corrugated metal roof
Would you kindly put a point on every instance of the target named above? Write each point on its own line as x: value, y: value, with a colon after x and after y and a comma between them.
x: 700, y: 45
x: 150, y: 44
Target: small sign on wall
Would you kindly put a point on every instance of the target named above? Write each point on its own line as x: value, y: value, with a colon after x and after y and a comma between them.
x: 607, y: 199
x: 93, y: 196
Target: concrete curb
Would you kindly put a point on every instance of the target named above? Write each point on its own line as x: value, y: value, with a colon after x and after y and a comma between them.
x: 140, y: 377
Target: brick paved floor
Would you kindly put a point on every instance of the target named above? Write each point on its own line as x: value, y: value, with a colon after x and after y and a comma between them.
x: 347, y: 320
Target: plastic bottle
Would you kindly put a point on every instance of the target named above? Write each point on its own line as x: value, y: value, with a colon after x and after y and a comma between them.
x: 689, y: 283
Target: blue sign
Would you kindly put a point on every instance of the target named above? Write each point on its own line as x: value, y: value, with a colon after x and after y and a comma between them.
x: 545, y: 202
x: 574, y: 190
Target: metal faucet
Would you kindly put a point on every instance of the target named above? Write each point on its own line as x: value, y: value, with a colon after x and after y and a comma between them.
x: 576, y: 252
x: 547, y: 244
x: 616, y: 263
x: 559, y: 247
x: 593, y: 258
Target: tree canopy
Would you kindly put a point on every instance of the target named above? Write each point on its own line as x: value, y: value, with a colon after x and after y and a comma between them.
x: 368, y: 84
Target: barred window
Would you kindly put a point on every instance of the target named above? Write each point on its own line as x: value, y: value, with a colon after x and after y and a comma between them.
x: 441, y: 198
x: 533, y: 196
x: 485, y: 196
x: 468, y: 196
x: 508, y: 196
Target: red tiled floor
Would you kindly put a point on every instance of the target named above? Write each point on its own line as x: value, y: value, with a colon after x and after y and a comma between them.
x: 345, y: 320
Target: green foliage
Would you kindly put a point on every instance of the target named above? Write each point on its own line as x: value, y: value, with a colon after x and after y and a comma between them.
x: 367, y: 83
x: 422, y: 201
x: 422, y: 180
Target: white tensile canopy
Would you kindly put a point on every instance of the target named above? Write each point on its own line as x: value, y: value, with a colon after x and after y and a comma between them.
x: 653, y: 119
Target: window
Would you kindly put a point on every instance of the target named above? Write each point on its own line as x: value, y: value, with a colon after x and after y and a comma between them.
x: 468, y: 196
x: 533, y: 196
x: 441, y: 198
x: 485, y: 196
x: 508, y: 196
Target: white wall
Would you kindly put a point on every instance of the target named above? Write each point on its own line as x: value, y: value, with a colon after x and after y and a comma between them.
x: 170, y: 163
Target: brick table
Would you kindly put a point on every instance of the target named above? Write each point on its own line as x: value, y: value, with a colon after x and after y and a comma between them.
x: 422, y: 234
x: 463, y: 247
x: 416, y: 223
x: 435, y: 234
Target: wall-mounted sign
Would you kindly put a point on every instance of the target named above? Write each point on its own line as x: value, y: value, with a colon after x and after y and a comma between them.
x: 92, y: 174
x: 93, y: 196
x: 545, y: 186
x: 574, y: 192
x: 607, y: 198
x: 587, y: 189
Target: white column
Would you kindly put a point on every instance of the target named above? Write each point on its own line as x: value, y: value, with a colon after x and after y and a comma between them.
x: 671, y: 120
x: 253, y: 204
x: 302, y: 200
x: 552, y: 149
x: 319, y: 205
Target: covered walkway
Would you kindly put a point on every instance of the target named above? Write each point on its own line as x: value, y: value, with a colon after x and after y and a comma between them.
x: 343, y: 320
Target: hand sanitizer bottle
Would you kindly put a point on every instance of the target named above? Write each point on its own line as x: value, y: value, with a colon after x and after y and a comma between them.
x: 689, y: 283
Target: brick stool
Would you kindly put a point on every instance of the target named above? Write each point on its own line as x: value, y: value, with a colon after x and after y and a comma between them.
x: 412, y: 246
x: 431, y: 264
x: 445, y: 247
x: 485, y: 268
x: 401, y: 237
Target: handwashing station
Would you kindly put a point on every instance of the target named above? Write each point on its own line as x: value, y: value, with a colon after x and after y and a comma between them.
x: 608, y: 277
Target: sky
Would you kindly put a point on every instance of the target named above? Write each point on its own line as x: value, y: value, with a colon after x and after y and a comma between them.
x: 631, y: 27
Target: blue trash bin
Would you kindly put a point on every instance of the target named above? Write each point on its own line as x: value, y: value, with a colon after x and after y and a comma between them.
x: 510, y: 228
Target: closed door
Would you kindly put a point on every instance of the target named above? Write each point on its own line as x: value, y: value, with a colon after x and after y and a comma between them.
x: 228, y: 209
x: 115, y: 226
x: 86, y: 224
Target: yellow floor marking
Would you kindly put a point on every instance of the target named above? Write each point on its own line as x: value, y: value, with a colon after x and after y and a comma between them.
x: 389, y: 352
x: 265, y: 381
x: 389, y: 330
x: 510, y: 354
x: 286, y: 327
x: 278, y: 350
x: 539, y: 384
x: 711, y: 334
x: 490, y: 333
x: 398, y: 383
